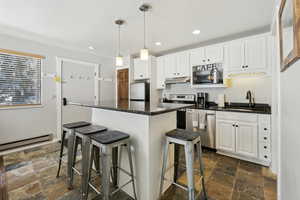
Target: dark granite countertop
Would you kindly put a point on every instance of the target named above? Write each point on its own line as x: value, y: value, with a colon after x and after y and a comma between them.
x: 137, y: 107
x: 239, y: 107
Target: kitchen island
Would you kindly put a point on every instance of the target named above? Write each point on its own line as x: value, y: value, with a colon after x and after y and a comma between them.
x: 146, y: 124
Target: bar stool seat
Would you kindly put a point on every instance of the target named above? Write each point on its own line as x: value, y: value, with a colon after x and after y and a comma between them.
x: 65, y: 142
x: 87, y: 130
x: 76, y: 125
x: 183, y: 135
x: 109, y: 137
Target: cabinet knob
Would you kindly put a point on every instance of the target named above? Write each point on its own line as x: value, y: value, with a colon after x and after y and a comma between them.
x: 236, y: 125
x: 233, y: 125
x: 265, y: 138
x: 203, y: 60
x: 265, y: 147
x: 208, y: 60
x: 246, y: 66
x: 266, y: 156
x: 265, y: 129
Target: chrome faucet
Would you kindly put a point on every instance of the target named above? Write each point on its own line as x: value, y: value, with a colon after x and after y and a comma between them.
x: 250, y: 98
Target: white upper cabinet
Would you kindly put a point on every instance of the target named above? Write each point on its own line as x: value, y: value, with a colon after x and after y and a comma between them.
x: 160, y: 81
x: 234, y: 53
x: 170, y: 66
x: 246, y: 55
x: 197, y: 57
x: 214, y: 54
x: 206, y: 55
x: 183, y: 64
x: 141, y: 69
x: 177, y: 65
x: 256, y: 53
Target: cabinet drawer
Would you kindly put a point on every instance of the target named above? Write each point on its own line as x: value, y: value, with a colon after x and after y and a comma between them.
x: 265, y: 137
x: 245, y: 117
x: 265, y: 147
x: 265, y: 155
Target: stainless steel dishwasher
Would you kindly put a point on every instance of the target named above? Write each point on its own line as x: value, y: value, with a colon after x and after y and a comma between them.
x: 208, y: 132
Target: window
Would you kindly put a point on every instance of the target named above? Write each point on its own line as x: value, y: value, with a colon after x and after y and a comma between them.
x: 20, y: 79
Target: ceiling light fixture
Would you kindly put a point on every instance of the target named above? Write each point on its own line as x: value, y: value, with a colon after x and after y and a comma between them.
x: 196, y: 32
x: 158, y: 43
x: 91, y: 48
x: 144, y: 53
x: 119, y: 57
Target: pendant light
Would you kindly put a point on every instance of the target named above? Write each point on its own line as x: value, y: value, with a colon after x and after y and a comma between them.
x: 119, y: 57
x: 144, y: 53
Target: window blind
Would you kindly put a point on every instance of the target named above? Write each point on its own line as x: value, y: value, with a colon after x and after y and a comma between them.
x: 20, y: 80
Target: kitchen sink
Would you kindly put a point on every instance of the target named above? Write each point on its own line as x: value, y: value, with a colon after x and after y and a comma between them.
x: 245, y: 109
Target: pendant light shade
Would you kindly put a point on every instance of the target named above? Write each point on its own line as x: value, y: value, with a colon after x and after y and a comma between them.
x: 119, y: 57
x: 119, y: 61
x: 144, y: 52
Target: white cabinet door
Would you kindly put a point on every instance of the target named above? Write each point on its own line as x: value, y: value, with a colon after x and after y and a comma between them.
x: 246, y: 139
x: 234, y: 56
x: 141, y: 69
x: 214, y: 54
x: 226, y: 135
x: 197, y: 57
x: 170, y: 66
x: 256, y: 53
x: 183, y: 64
x: 160, y: 81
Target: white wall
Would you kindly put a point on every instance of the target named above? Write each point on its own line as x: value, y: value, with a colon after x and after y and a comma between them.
x: 290, y: 133
x: 32, y: 122
x: 260, y: 86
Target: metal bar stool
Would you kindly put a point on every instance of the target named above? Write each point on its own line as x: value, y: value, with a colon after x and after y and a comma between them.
x: 106, y: 142
x: 69, y: 131
x: 189, y: 140
x: 83, y: 135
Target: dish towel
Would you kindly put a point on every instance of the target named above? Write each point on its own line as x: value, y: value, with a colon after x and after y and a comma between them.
x: 202, y: 119
x: 195, y: 119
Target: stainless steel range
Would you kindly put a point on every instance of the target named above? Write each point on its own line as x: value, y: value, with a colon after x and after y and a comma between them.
x: 195, y: 119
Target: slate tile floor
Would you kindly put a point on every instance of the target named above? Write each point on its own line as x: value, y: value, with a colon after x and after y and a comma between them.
x: 31, y: 175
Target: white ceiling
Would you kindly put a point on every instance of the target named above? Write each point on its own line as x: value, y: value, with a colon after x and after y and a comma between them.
x: 81, y: 23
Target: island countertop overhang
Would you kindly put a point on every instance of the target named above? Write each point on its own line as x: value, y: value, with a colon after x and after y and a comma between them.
x: 136, y: 107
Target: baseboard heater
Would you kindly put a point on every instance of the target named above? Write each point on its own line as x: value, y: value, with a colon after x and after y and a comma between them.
x: 20, y: 143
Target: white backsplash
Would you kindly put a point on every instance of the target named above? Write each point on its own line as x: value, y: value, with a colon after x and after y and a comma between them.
x: 260, y: 86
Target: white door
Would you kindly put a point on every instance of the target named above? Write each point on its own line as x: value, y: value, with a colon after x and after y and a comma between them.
x: 78, y: 85
x: 160, y: 73
x: 170, y: 66
x: 226, y: 135
x: 183, y: 64
x: 214, y: 54
x: 197, y: 57
x: 234, y: 56
x: 256, y: 53
x: 246, y: 139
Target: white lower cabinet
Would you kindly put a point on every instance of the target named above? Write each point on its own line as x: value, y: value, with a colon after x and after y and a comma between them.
x: 244, y: 136
x: 246, y: 139
x: 226, y: 135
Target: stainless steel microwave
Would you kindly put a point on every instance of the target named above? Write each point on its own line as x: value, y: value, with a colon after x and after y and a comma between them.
x: 203, y: 74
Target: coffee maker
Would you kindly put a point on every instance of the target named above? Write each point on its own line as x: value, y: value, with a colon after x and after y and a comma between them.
x: 202, y: 99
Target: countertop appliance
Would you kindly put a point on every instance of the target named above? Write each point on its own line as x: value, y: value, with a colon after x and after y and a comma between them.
x: 139, y: 91
x: 204, y: 122
x: 202, y: 99
x: 207, y: 74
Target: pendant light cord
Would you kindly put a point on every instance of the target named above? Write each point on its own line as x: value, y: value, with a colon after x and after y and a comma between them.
x: 119, y: 39
x: 144, y: 29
